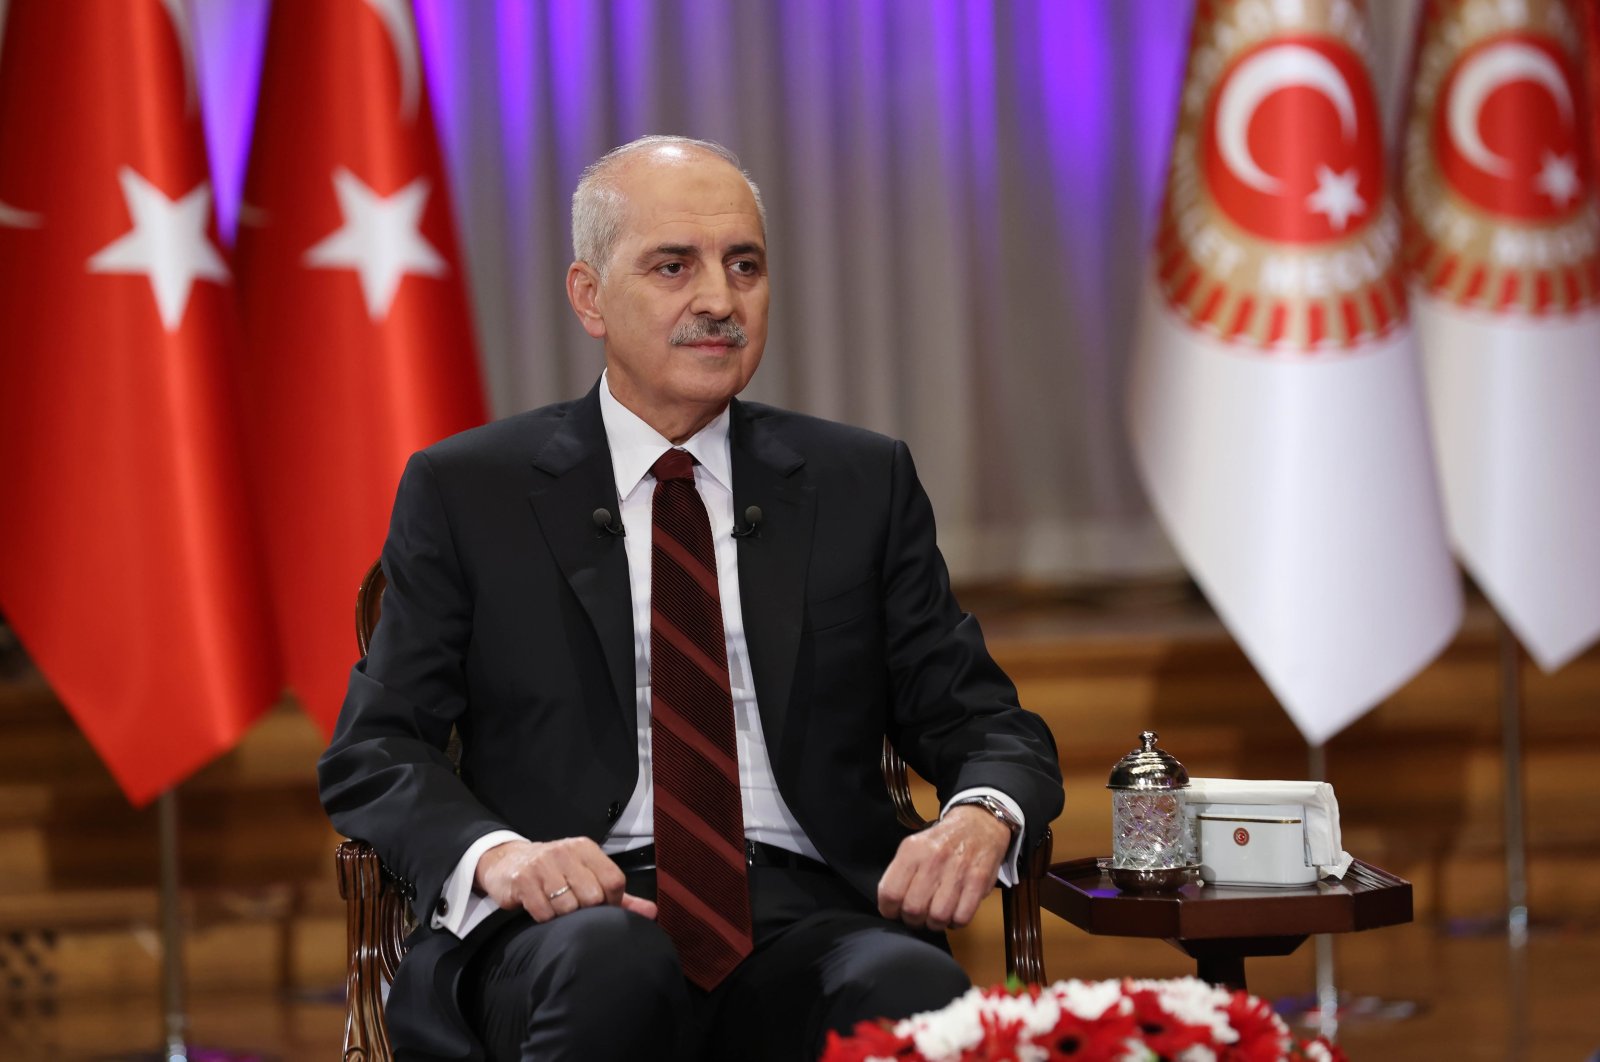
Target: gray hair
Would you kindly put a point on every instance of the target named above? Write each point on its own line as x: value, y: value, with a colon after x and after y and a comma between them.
x: 597, y: 205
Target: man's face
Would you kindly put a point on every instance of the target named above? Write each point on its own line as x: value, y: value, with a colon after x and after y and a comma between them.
x: 683, y: 305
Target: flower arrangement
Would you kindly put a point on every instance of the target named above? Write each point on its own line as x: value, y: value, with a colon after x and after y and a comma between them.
x: 1185, y: 1020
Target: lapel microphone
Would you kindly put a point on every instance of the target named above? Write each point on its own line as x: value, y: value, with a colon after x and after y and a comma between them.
x: 751, y: 525
x: 604, y: 526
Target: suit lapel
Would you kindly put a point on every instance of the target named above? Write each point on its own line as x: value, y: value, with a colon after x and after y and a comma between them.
x: 578, y: 463
x: 772, y: 562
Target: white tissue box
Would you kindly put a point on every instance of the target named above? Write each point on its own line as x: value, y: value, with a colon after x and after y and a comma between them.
x: 1290, y: 831
x: 1253, y: 844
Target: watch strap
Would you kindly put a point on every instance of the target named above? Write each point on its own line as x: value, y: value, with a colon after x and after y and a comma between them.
x: 993, y: 807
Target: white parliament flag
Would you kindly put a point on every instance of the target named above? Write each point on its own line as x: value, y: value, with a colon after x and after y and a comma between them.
x: 1275, y: 401
x: 1498, y: 189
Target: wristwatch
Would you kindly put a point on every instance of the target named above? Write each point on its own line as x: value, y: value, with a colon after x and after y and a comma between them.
x: 995, y: 808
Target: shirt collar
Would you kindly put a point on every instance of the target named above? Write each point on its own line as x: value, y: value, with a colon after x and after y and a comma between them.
x: 635, y: 445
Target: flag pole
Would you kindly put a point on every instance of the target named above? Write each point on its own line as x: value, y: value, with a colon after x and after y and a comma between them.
x: 1331, y: 1005
x: 1327, y: 980
x: 175, y: 1045
x: 175, y: 1015
x: 1516, y: 844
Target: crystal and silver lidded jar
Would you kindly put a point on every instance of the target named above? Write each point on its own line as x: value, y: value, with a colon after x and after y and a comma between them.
x: 1152, y: 841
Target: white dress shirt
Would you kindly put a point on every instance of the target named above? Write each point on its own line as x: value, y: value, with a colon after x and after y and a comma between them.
x: 635, y: 446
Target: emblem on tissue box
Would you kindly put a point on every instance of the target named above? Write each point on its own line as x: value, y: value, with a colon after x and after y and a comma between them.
x: 1254, y: 844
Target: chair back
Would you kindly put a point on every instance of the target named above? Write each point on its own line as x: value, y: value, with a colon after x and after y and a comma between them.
x: 369, y: 604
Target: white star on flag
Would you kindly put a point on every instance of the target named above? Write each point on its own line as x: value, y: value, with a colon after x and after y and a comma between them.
x: 1336, y: 196
x: 167, y: 243
x: 1558, y: 178
x: 380, y: 239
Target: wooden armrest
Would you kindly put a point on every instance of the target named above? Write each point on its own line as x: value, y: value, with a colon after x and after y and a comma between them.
x: 375, y: 929
x: 1019, y: 903
x: 1020, y: 908
x: 895, y: 780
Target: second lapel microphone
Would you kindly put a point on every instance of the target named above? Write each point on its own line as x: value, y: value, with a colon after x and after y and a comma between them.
x: 751, y: 525
x: 604, y: 526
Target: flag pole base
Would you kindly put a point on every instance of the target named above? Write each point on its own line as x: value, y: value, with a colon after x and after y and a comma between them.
x: 1309, y: 1012
x: 175, y: 1015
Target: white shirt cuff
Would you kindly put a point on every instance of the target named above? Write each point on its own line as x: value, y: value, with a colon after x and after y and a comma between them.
x: 464, y: 906
x: 1008, y: 865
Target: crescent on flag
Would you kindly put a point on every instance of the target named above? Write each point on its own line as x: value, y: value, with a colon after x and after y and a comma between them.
x: 1499, y: 64
x: 396, y: 16
x: 180, y: 25
x: 1277, y: 67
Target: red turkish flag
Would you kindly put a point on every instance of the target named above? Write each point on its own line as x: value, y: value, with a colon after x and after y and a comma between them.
x: 1592, y: 24
x: 127, y: 563
x: 359, y: 347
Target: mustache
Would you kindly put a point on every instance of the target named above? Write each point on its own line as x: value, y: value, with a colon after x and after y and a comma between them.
x: 703, y: 328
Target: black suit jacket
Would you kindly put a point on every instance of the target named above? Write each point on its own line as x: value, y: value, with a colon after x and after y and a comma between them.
x: 508, y: 615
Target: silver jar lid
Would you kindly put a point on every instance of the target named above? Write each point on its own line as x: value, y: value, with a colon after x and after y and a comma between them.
x: 1148, y: 768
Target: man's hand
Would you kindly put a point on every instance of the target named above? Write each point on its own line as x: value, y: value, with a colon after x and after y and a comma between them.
x: 526, y: 873
x: 939, y: 876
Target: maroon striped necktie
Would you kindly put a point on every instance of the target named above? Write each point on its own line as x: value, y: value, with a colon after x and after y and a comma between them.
x: 702, y: 890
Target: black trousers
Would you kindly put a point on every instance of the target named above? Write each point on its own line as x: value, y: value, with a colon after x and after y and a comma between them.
x: 602, y: 983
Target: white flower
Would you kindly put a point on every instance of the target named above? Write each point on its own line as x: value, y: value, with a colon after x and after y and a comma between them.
x: 1037, y: 1016
x: 1088, y: 1000
x: 1317, y: 1051
x: 942, y: 1034
x: 1193, y: 1002
x: 1197, y: 1053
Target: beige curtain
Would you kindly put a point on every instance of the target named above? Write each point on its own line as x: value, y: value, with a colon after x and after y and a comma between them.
x: 960, y: 196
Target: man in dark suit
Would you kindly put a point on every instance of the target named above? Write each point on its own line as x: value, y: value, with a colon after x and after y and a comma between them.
x: 672, y: 630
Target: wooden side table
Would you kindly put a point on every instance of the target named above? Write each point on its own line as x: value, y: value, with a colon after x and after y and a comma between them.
x: 1221, y: 926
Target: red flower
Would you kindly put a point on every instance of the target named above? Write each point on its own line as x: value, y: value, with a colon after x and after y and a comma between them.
x: 999, y: 1043
x: 1298, y: 1053
x: 1161, y: 1032
x: 871, y: 1039
x: 1262, y: 1035
x: 1104, y: 1039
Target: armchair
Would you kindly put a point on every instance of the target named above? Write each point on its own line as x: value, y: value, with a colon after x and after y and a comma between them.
x: 378, y: 918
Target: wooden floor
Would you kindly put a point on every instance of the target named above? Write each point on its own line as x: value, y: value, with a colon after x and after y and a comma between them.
x: 1418, y: 780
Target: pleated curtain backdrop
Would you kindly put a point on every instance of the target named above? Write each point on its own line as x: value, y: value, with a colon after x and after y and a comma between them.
x: 961, y: 196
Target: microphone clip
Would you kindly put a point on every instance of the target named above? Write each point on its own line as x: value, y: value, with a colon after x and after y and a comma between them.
x: 604, y: 526
x: 752, y: 523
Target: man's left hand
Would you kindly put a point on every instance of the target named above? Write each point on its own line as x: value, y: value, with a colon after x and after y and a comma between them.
x: 940, y: 875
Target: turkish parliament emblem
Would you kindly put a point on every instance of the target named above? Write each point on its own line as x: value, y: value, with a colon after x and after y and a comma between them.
x: 1498, y: 179
x: 1277, y: 232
